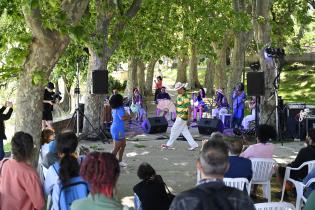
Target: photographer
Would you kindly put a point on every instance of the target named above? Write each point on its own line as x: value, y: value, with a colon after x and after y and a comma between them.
x: 4, y: 117
x: 50, y: 98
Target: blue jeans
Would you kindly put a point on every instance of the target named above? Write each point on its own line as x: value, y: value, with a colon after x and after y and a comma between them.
x: 1, y: 149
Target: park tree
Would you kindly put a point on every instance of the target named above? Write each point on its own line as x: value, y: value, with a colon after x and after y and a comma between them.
x: 45, y: 26
x: 107, y: 21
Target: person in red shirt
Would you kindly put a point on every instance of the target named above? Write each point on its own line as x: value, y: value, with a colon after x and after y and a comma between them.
x: 20, y: 187
x: 158, y: 87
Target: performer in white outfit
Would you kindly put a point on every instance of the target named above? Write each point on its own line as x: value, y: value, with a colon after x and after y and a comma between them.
x: 246, y: 121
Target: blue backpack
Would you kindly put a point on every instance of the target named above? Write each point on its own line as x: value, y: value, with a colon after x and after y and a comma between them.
x: 75, y: 189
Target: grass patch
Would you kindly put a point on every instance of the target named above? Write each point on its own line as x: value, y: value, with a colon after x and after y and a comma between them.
x: 298, y: 86
x: 139, y: 146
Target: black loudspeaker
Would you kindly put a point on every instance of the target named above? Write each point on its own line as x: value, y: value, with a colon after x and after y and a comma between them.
x: 255, y: 83
x: 81, y: 113
x: 207, y: 126
x: 99, y: 82
x: 155, y: 125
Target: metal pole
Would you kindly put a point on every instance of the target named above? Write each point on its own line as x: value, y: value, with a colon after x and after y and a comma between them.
x: 277, y: 99
x: 78, y: 100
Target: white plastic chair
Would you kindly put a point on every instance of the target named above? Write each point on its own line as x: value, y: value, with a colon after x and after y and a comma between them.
x: 274, y: 206
x: 262, y: 172
x: 299, y: 186
x: 238, y: 183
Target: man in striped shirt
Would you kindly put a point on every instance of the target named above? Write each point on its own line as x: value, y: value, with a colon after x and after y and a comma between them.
x: 181, y: 124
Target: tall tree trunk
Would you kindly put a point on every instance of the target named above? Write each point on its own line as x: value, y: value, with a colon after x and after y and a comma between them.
x: 93, y: 106
x: 262, y: 37
x: 241, y: 40
x: 132, y: 76
x: 44, y: 52
x: 209, y: 76
x: 193, y: 71
x: 149, y: 77
x: 220, y: 76
x: 141, y: 76
x: 66, y: 101
x: 182, y: 68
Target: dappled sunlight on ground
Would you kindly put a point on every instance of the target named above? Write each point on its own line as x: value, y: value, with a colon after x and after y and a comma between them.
x: 133, y: 154
x: 128, y: 201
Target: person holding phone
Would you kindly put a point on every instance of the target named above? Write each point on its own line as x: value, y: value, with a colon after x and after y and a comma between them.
x: 4, y: 117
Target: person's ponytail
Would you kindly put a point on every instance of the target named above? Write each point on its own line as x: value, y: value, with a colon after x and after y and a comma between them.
x: 69, y: 168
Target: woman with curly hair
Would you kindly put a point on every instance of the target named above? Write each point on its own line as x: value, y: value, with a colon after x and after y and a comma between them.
x: 117, y: 128
x: 20, y: 187
x: 101, y: 171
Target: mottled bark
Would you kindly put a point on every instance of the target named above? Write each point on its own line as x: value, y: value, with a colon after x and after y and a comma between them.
x: 132, y: 76
x: 93, y: 102
x: 209, y: 76
x: 66, y: 101
x: 141, y: 76
x: 182, y: 68
x: 193, y: 71
x: 44, y: 51
x: 149, y: 77
x: 220, y: 76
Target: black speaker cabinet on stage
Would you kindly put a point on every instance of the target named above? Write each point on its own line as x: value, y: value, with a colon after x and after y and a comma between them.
x: 207, y: 126
x: 155, y: 125
x: 292, y: 111
x: 99, y: 82
x: 255, y: 83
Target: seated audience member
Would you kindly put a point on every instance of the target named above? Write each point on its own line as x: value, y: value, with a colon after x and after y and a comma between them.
x: 47, y: 136
x: 150, y: 193
x: 165, y: 104
x: 199, y: 104
x: 249, y: 118
x: 263, y: 149
x: 221, y: 104
x: 239, y: 167
x: 305, y: 154
x: 20, y: 186
x: 158, y: 87
x: 101, y: 171
x: 137, y: 105
x: 211, y: 193
x: 310, y: 203
x: 65, y: 171
x: 309, y: 189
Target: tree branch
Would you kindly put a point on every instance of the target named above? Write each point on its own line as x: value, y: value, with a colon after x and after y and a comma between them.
x: 131, y: 12
x: 33, y: 20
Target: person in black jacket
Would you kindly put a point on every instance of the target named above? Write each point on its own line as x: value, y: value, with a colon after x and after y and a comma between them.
x: 211, y: 192
x: 305, y: 154
x: 150, y: 193
x: 4, y: 117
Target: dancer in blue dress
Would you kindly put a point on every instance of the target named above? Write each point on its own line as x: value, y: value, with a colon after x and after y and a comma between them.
x: 117, y: 128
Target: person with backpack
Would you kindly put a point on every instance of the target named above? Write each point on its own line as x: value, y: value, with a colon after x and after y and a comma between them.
x: 63, y: 181
x: 101, y: 170
x: 20, y: 186
x: 211, y: 192
x: 150, y: 193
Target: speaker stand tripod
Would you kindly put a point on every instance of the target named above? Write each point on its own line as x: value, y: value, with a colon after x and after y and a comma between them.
x: 77, y: 113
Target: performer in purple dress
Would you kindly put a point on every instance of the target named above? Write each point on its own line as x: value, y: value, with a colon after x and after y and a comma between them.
x: 238, y: 98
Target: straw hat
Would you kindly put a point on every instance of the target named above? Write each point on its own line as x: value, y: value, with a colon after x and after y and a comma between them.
x: 180, y: 85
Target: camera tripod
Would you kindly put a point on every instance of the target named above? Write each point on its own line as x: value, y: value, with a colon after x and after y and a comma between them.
x: 77, y: 113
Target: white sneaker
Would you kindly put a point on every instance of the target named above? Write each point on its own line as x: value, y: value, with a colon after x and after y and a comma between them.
x: 123, y: 164
x: 193, y: 148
